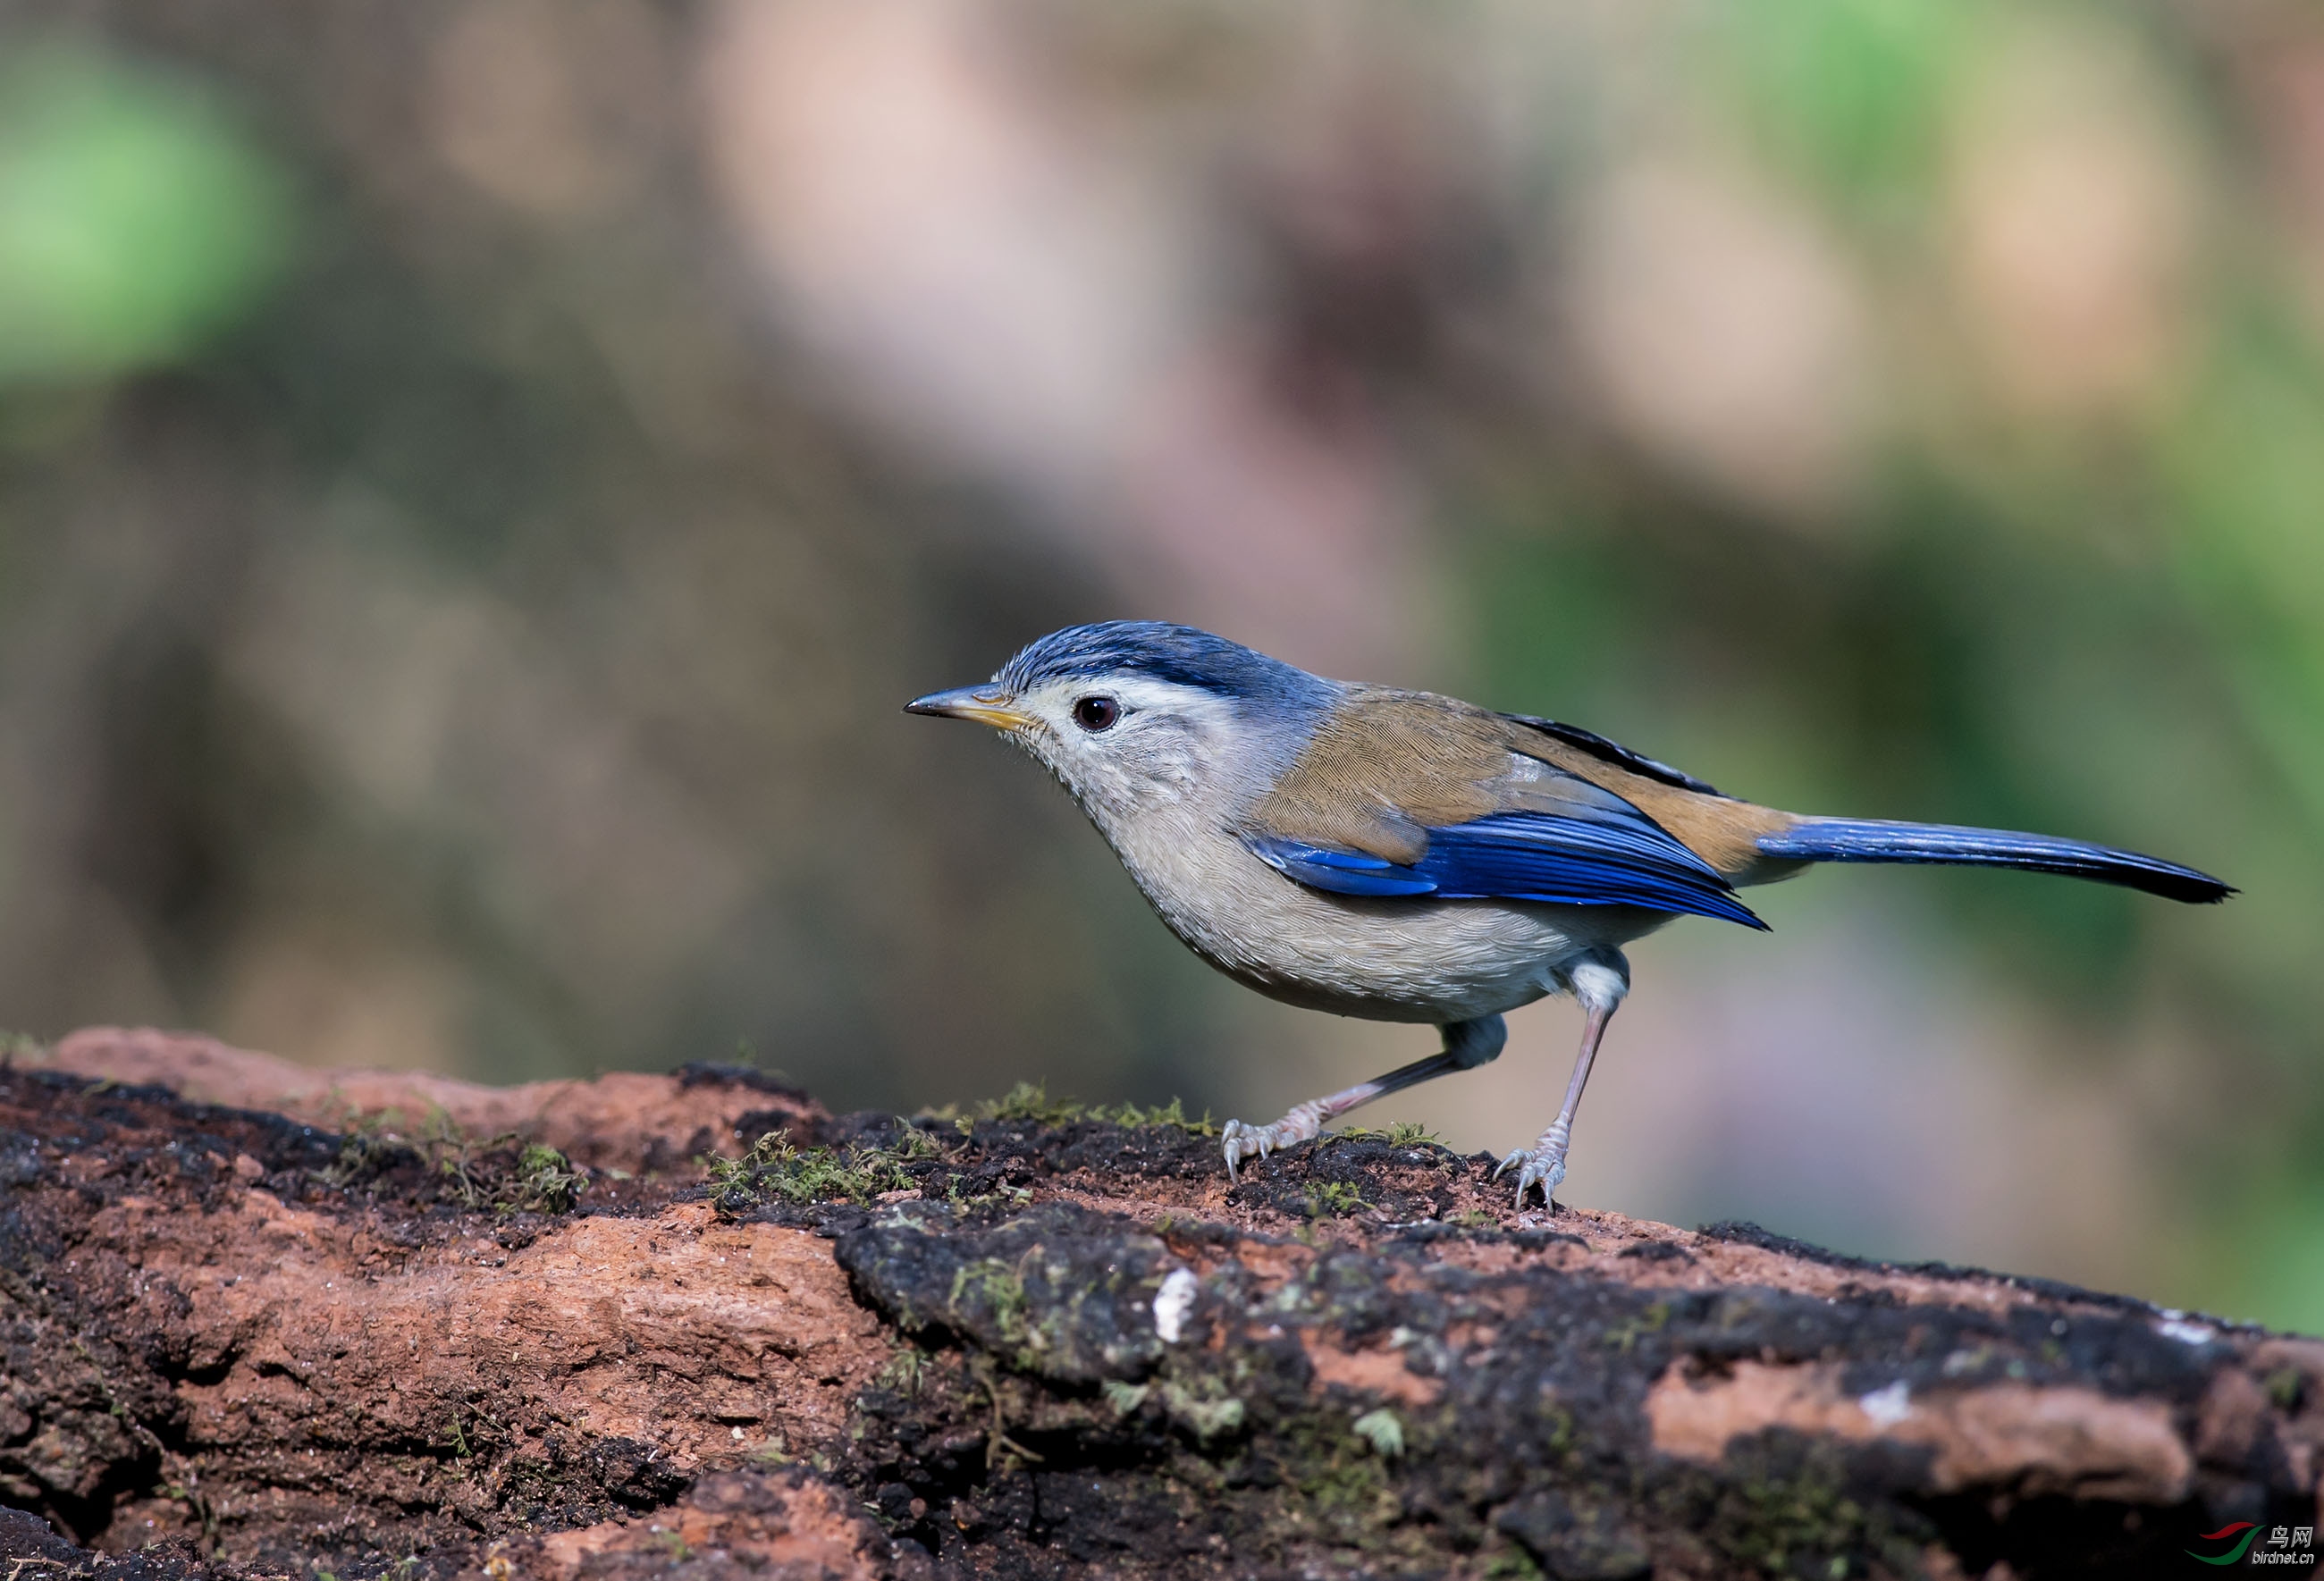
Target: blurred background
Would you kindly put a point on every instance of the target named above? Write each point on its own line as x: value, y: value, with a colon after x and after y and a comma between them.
x: 477, y: 481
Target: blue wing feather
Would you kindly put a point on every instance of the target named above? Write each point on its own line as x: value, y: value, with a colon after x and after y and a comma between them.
x: 1604, y: 859
x: 1525, y: 856
x: 1339, y: 872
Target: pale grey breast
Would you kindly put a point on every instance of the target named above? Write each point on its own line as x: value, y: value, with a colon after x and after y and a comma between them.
x: 1381, y: 960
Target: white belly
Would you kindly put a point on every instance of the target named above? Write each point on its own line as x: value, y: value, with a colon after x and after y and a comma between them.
x: 1390, y: 960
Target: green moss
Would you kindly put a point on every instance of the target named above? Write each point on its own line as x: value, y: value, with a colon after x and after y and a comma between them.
x: 1511, y: 1563
x: 1401, y: 1133
x: 1796, y: 1521
x: 362, y: 1153
x: 776, y: 1170
x: 1625, y: 1335
x: 502, y: 1174
x: 546, y: 1182
x: 991, y: 1295
x: 1029, y: 1102
x: 1383, y: 1430
x: 1343, y: 1486
x: 1561, y: 1426
x: 1333, y: 1199
x: 1783, y: 1526
x: 902, y: 1372
x: 1204, y: 1407
x: 1351, y: 1487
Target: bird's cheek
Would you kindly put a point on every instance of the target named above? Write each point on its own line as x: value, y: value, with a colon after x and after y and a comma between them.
x: 1041, y: 747
x: 1144, y: 785
x: 1162, y: 781
x: 1042, y: 753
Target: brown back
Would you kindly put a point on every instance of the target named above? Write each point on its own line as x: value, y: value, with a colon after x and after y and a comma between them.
x: 1387, y: 764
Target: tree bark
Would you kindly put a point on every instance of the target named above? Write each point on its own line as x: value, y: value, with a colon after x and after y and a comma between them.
x: 263, y: 1322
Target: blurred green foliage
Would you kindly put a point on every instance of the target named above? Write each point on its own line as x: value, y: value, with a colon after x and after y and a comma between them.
x: 135, y: 218
x: 2244, y: 470
x: 1853, y: 91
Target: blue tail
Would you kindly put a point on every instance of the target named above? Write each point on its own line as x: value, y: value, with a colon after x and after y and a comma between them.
x: 1873, y: 840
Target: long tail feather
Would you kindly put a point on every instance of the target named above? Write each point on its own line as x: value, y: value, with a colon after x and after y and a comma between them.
x: 1873, y: 840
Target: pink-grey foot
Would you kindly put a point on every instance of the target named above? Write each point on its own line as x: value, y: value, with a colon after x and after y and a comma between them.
x: 1467, y: 1045
x: 1599, y: 983
x: 1239, y: 1141
x: 1543, y: 1165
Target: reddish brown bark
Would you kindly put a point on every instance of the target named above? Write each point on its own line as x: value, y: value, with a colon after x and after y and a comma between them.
x: 256, y: 1325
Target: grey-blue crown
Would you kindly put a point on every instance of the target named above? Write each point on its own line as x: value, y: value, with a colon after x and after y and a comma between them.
x: 1181, y: 655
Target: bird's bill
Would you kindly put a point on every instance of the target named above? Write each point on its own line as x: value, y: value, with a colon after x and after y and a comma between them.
x: 986, y: 704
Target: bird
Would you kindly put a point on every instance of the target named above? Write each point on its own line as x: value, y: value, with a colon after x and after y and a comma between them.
x: 1407, y: 856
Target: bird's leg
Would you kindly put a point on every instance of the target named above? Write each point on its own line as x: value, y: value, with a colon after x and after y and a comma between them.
x: 1467, y: 1045
x: 1599, y: 982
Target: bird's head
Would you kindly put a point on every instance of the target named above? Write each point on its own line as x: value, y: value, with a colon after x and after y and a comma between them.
x: 1134, y: 714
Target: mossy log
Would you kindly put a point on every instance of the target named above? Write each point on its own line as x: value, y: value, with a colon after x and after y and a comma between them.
x: 263, y: 1322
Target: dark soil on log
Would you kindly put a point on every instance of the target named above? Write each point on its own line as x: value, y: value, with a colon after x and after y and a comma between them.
x: 1033, y: 1341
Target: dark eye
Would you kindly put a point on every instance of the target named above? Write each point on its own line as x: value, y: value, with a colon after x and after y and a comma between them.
x: 1096, y: 714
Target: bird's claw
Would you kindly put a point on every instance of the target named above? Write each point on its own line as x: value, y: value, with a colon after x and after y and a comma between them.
x: 1239, y: 1141
x: 1542, y: 1165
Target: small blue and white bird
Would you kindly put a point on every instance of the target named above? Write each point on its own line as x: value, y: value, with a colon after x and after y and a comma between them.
x: 1405, y: 856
